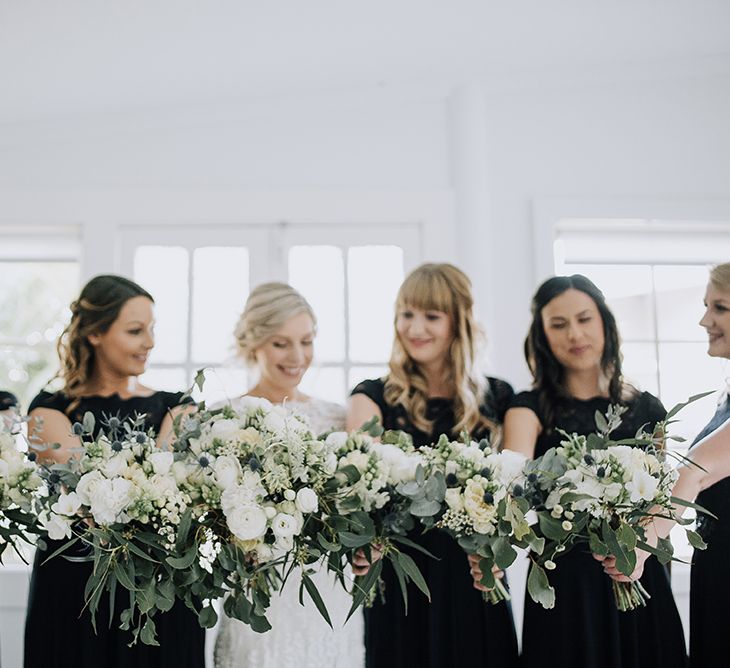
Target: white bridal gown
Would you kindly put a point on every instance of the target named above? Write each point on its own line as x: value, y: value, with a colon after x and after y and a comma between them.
x: 299, y: 636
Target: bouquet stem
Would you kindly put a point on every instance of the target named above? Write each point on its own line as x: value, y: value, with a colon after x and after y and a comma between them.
x: 630, y: 595
x: 497, y: 593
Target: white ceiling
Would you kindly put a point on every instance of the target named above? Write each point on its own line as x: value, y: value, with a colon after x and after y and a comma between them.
x: 68, y: 58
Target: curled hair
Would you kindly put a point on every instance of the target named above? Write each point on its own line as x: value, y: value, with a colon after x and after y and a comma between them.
x: 440, y: 287
x: 94, y: 312
x: 547, y: 372
x: 267, y: 309
x: 720, y: 276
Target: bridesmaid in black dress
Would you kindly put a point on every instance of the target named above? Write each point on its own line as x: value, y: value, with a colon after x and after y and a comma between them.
x: 572, y: 349
x: 433, y: 388
x: 103, y: 351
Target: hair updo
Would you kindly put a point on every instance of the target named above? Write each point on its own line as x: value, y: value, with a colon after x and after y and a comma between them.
x: 267, y: 309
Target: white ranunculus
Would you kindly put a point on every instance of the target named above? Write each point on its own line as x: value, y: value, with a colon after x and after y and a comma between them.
x: 284, y: 525
x: 238, y: 496
x: 247, y: 522
x: 57, y: 527
x: 275, y: 422
x: 336, y: 439
x: 330, y: 463
x: 161, y: 462
x: 115, y: 466
x: 227, y: 471
x: 307, y: 500
x: 509, y: 465
x: 67, y: 504
x: 110, y: 498
x: 454, y: 500
x: 86, y: 486
x: 225, y: 429
x: 180, y: 471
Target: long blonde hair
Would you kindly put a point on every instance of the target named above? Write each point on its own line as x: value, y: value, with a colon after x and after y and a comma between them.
x: 268, y: 307
x: 94, y: 312
x: 720, y: 276
x: 440, y: 287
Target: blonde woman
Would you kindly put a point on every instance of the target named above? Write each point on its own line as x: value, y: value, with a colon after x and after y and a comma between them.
x: 433, y: 387
x: 275, y: 336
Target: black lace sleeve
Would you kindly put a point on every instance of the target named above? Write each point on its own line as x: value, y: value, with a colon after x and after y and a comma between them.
x: 373, y: 389
x: 502, y: 394
x: 54, y: 400
x: 529, y: 400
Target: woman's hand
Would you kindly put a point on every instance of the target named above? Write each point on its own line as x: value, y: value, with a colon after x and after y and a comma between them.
x: 360, y: 563
x: 609, y: 566
x: 476, y: 572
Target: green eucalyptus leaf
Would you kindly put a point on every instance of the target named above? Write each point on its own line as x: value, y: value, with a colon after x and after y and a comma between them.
x: 539, y: 588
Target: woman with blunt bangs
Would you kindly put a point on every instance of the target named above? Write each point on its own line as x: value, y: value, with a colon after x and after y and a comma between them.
x: 103, y: 351
x: 433, y: 387
x: 573, y: 351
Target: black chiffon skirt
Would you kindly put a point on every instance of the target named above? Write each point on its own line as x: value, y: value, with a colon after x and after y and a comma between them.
x: 457, y: 628
x: 59, y: 633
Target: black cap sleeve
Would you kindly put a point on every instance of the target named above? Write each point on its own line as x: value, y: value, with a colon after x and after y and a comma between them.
x: 373, y: 389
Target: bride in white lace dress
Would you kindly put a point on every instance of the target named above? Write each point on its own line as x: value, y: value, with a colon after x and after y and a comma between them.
x: 275, y: 334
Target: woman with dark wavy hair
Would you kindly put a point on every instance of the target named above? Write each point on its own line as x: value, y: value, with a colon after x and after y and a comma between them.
x: 103, y: 351
x: 572, y: 349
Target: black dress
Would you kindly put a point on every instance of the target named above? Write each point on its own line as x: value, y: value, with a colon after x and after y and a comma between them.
x: 57, y: 632
x: 585, y: 629
x: 457, y: 628
x: 710, y: 578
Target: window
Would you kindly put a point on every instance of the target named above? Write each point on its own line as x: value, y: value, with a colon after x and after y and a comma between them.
x: 200, y: 281
x: 39, y: 277
x: 654, y: 276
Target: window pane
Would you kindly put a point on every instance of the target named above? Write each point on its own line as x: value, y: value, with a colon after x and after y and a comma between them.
x: 325, y: 383
x: 170, y: 380
x: 686, y: 369
x: 223, y: 384
x: 628, y: 291
x: 374, y: 275
x: 318, y: 273
x: 34, y: 309
x: 640, y: 366
x: 220, y: 289
x: 359, y: 373
x: 680, y: 293
x: 163, y: 272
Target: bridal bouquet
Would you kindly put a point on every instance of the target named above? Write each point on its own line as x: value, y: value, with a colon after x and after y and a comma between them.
x: 120, y: 500
x: 599, y: 492
x: 477, y: 495
x: 19, y: 486
x: 260, y: 484
x: 369, y: 510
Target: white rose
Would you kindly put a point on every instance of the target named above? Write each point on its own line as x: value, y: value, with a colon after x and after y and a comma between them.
x: 254, y: 403
x: 227, y: 471
x: 307, y: 500
x: 161, y: 462
x: 247, y: 522
x: 642, y: 487
x: 57, y: 527
x: 86, y: 486
x: 284, y: 526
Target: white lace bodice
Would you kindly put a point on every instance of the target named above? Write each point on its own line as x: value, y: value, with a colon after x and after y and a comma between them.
x: 299, y: 637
